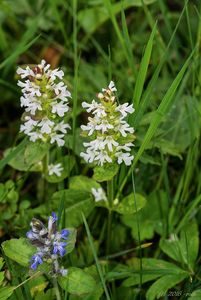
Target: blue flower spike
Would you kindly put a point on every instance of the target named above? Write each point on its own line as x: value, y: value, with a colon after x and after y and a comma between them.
x: 49, y: 242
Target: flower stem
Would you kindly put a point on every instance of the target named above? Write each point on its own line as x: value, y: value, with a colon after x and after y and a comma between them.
x: 109, y: 224
x: 56, y: 288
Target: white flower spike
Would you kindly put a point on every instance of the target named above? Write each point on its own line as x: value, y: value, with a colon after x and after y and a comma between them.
x: 45, y: 99
x: 111, y: 136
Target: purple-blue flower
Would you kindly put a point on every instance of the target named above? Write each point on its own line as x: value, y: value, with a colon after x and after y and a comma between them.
x: 64, y: 234
x: 36, y: 260
x: 30, y: 235
x: 54, y: 217
x: 59, y: 247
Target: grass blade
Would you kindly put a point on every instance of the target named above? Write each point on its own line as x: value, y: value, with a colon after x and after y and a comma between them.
x: 157, y: 118
x: 95, y: 257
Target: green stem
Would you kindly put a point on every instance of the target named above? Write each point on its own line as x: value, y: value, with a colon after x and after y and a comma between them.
x: 56, y: 288
x: 109, y: 224
x: 45, y: 163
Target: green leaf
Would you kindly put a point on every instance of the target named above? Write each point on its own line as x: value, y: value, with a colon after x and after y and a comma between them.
x: 6, y: 292
x: 152, y: 217
x: 185, y: 249
x: 151, y: 269
x: 83, y: 183
x: 143, y: 70
x: 29, y: 157
x: 75, y: 202
x: 131, y: 204
x: 67, y: 164
x: 91, y: 18
x: 19, y: 250
x: 160, y: 287
x: 77, y: 282
x: 1, y: 262
x: 71, y: 240
x: 196, y: 295
x: 1, y: 277
x: 13, y: 153
x: 106, y: 172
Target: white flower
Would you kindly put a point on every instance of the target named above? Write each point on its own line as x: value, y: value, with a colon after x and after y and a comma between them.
x: 55, y: 169
x: 104, y: 126
x: 110, y: 142
x: 28, y: 126
x: 99, y: 194
x: 124, y: 109
x: 55, y: 74
x: 124, y: 157
x: 89, y: 156
x: 111, y: 87
x: 59, y: 108
x: 46, y: 125
x: 35, y: 136
x: 102, y: 157
x: 58, y: 138
x: 25, y: 72
x: 62, y: 127
x: 123, y: 128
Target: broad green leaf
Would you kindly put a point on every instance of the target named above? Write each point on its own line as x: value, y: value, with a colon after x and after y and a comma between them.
x: 172, y: 248
x: 131, y: 204
x: 160, y: 287
x: 151, y: 269
x: 83, y: 183
x: 71, y: 240
x: 196, y: 295
x: 185, y: 249
x: 91, y: 18
x: 67, y: 163
x: 19, y: 250
x: 6, y: 292
x: 29, y: 158
x: 106, y: 172
x: 75, y: 202
x: 77, y: 282
x: 49, y: 294
x: 189, y: 240
x: 152, y: 218
x: 13, y: 153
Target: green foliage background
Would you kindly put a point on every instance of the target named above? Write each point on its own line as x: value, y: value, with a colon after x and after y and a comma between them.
x: 151, y: 49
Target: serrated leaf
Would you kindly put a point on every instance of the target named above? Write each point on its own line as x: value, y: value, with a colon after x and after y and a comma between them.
x: 77, y: 282
x: 105, y: 172
x: 19, y: 250
x: 131, y: 204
